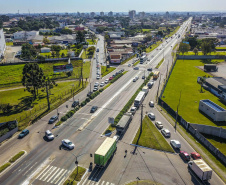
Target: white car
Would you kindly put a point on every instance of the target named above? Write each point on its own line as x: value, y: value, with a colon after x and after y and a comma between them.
x: 133, y: 110
x: 159, y: 125
x: 151, y: 104
x: 151, y: 116
x: 49, y: 135
x: 175, y: 143
x: 106, y: 81
x: 98, y: 77
x: 102, y: 84
x: 96, y: 84
x: 166, y: 132
x: 67, y: 143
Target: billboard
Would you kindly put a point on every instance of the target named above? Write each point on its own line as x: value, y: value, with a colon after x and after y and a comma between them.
x: 63, y: 68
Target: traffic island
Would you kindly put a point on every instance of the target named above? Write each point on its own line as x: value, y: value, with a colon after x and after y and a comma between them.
x: 75, y: 176
x: 143, y: 182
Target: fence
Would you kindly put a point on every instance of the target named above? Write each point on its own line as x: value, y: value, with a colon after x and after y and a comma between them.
x: 197, y: 135
x: 200, y: 57
x: 10, y: 133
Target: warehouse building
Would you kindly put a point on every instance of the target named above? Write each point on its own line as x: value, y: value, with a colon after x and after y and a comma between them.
x: 2, y: 44
x: 212, y: 110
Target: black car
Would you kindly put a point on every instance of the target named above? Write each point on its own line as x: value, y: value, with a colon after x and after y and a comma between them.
x: 143, y: 77
x: 75, y: 103
x: 89, y: 93
x: 93, y: 109
x: 53, y: 119
x: 24, y: 133
x: 149, y: 69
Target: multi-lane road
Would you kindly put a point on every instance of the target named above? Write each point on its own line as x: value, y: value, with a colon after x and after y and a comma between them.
x: 49, y: 163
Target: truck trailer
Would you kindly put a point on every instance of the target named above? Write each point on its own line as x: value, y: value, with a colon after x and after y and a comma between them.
x: 201, y: 169
x: 105, y: 152
x: 124, y: 123
x: 145, y: 89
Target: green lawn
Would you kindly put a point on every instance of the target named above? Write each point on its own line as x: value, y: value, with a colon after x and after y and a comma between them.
x: 24, y: 106
x: 105, y: 70
x: 136, y: 63
x: 152, y: 47
x: 9, y: 43
x: 65, y: 51
x: 74, y: 178
x: 147, y: 30
x: 173, y: 32
x: 220, y: 47
x: 13, y: 73
x: 151, y: 137
x: 85, y: 55
x: 91, y: 42
x: 200, y: 53
x: 184, y: 79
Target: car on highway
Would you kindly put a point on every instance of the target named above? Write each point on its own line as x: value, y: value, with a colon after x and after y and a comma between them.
x: 111, y: 78
x: 93, y: 109
x: 175, y: 143
x: 134, y: 80
x: 158, y: 124
x: 136, y: 68
x: 151, y: 104
x: 133, y: 110
x: 196, y: 155
x: 148, y: 59
x: 53, y: 119
x: 106, y: 81
x: 149, y: 69
x: 75, y: 103
x: 151, y: 115
x: 67, y: 143
x: 184, y: 155
x: 165, y: 132
x: 143, y: 77
x: 98, y: 77
x: 49, y: 135
x: 129, y: 65
x: 102, y: 84
x: 24, y: 133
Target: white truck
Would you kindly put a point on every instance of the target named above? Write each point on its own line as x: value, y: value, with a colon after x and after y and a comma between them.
x: 145, y: 89
x: 201, y: 169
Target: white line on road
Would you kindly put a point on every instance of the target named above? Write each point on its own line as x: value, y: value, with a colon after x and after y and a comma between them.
x: 30, y: 168
x: 57, y: 176
x: 85, y: 181
x: 45, y: 173
x: 102, y: 183
x: 61, y: 182
x: 49, y: 173
x: 52, y: 175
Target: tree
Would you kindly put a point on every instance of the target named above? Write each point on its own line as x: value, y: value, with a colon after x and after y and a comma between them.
x: 206, y: 48
x: 93, y: 38
x: 45, y: 40
x: 196, y: 51
x: 184, y: 48
x: 160, y: 33
x: 57, y: 54
x: 28, y: 51
x: 6, y: 108
x: 80, y: 37
x: 48, y: 84
x: 53, y: 54
x: 33, y: 78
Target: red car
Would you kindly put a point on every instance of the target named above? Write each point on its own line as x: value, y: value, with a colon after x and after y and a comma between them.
x: 111, y: 78
x: 185, y: 155
x: 196, y: 155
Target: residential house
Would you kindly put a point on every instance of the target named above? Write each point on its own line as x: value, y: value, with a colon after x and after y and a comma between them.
x: 63, y: 39
x: 45, y: 50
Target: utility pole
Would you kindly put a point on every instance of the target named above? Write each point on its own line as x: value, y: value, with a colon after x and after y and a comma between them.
x: 90, y: 87
x: 177, y: 112
x: 158, y: 89
x: 167, y: 69
x: 141, y: 119
x: 47, y: 93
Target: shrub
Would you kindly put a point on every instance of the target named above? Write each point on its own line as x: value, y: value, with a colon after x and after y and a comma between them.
x: 17, y: 156
x: 87, y: 100
x: 64, y: 118
x: 4, y: 166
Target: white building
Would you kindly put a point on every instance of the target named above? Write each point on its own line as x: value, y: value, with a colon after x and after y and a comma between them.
x: 2, y: 43
x: 22, y: 35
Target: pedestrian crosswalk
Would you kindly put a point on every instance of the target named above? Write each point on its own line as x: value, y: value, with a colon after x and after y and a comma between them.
x: 88, y: 181
x: 53, y: 175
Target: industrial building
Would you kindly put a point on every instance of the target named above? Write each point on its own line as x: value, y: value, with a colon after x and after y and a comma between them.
x: 2, y: 44
x: 212, y: 110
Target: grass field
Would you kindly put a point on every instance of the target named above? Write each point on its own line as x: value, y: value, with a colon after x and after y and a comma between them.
x: 200, y: 53
x: 148, y: 50
x: 184, y: 79
x: 74, y: 178
x: 91, y: 42
x: 24, y: 106
x: 147, y: 30
x: 105, y: 70
x: 220, y: 47
x: 9, y: 43
x: 85, y: 55
x: 151, y: 137
x: 65, y: 51
x: 13, y: 73
x: 173, y: 32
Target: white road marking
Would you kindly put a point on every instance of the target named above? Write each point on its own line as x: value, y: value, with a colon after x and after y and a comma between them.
x: 112, y: 184
x: 102, y: 183
x: 107, y: 183
x: 42, y: 171
x: 52, y: 175
x: 61, y: 182
x: 62, y: 175
x: 45, y: 173
x: 30, y: 168
x: 54, y: 179
x: 85, y: 180
x: 49, y: 173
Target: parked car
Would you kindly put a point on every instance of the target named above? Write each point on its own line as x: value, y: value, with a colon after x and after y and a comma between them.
x: 165, y: 132
x: 111, y: 78
x: 196, y: 155
x: 102, y: 84
x: 113, y: 75
x: 53, y: 119
x: 149, y: 69
x: 175, y: 143
x: 89, y: 93
x: 158, y: 124
x: 184, y: 155
x: 151, y: 104
x: 98, y: 77
x: 134, y: 80
x: 67, y: 143
x: 151, y: 116
x: 129, y: 65
x: 24, y: 133
x: 75, y: 103
x: 143, y: 77
x: 106, y: 81
x: 95, y: 89
x: 49, y: 135
x: 93, y: 109
x: 136, y: 68
x: 96, y: 84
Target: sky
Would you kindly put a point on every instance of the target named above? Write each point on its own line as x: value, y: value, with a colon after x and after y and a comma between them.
x: 70, y: 6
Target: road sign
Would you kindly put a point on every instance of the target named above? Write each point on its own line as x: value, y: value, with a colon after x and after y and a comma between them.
x: 111, y: 120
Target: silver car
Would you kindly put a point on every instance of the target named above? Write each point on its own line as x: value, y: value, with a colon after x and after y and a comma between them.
x: 67, y: 143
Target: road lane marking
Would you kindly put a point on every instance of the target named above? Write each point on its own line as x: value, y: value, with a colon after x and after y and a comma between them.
x: 85, y: 180
x: 49, y: 173
x: 54, y: 179
x: 42, y: 171
x: 45, y: 173
x: 62, y: 175
x: 52, y: 175
x: 102, y: 183
x: 61, y: 182
x: 30, y: 168
x: 107, y: 183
